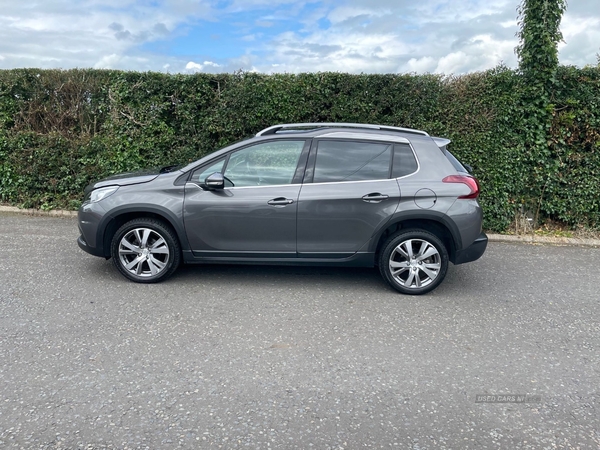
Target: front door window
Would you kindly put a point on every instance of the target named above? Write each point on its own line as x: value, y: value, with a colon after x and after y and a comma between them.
x: 266, y: 164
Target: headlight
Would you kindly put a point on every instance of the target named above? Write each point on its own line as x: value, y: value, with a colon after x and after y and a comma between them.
x: 99, y: 194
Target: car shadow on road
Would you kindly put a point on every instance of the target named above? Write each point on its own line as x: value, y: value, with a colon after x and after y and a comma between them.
x: 352, y: 279
x: 459, y: 279
x: 268, y: 274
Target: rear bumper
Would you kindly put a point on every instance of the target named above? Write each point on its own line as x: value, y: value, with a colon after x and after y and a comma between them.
x: 473, y: 251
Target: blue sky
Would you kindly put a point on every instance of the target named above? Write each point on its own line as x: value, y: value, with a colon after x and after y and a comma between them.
x: 227, y: 34
x: 356, y: 36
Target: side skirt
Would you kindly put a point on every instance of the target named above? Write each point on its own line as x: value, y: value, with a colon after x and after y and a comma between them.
x: 356, y: 260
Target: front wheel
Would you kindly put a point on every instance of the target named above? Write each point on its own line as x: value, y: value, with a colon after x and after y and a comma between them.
x: 413, y: 262
x: 145, y: 250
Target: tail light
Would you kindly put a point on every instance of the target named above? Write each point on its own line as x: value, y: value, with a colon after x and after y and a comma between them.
x: 470, y: 181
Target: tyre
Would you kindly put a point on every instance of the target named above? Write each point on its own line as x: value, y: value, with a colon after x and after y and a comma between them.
x: 146, y: 250
x: 413, y: 262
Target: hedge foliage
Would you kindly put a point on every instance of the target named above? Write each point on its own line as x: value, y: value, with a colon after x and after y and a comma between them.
x: 60, y: 130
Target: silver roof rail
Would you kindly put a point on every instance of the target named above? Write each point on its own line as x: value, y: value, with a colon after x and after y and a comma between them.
x: 275, y: 128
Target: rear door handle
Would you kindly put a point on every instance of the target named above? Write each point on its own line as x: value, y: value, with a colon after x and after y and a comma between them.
x: 374, y: 197
x: 280, y: 201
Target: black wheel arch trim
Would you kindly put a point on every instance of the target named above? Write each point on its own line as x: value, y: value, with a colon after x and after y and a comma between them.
x: 403, y: 216
x: 169, y: 216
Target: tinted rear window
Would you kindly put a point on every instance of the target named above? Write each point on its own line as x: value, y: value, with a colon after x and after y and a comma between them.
x: 352, y: 161
x: 404, y: 161
x: 455, y: 162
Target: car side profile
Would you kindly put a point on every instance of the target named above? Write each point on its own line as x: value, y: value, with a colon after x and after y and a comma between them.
x: 299, y: 194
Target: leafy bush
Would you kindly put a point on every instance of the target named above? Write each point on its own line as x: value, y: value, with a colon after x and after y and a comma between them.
x: 60, y: 130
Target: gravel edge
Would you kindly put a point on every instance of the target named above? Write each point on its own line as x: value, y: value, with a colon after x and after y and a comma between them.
x: 38, y: 212
x: 534, y: 239
x: 524, y: 239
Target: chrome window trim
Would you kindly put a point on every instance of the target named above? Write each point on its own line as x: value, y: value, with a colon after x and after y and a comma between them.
x: 346, y: 182
x: 265, y: 186
x: 226, y: 188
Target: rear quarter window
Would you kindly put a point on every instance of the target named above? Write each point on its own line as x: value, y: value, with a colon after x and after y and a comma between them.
x: 455, y: 162
x: 404, y: 161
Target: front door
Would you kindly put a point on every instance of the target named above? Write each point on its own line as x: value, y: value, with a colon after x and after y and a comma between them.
x: 255, y: 214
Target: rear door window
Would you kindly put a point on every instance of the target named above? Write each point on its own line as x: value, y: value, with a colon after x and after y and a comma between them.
x: 338, y: 161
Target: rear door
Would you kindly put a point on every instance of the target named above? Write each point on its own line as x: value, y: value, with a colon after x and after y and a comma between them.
x: 347, y: 195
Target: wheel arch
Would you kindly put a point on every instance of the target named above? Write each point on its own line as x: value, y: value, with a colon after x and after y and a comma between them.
x: 432, y: 222
x: 111, y: 223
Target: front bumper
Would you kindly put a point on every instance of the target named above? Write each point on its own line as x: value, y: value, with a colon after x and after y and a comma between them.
x: 86, y: 248
x: 473, y: 251
x: 89, y: 218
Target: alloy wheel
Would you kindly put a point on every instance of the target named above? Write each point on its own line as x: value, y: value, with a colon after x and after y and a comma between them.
x: 143, y: 252
x: 415, y: 263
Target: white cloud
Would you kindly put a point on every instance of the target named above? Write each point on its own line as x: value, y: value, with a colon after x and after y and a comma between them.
x: 108, y: 62
x: 89, y: 33
x: 386, y: 36
x: 422, y: 65
x: 195, y: 67
x: 115, y: 61
x: 453, y: 63
x: 509, y: 24
x: 344, y: 13
x: 372, y: 36
x: 581, y: 35
x: 478, y: 53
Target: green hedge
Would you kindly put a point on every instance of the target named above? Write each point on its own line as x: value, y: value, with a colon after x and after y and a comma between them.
x: 59, y: 130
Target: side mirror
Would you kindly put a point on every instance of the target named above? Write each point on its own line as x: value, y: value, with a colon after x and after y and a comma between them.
x: 215, y: 181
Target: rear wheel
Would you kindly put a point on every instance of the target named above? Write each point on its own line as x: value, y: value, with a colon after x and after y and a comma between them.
x: 146, y: 250
x: 413, y: 262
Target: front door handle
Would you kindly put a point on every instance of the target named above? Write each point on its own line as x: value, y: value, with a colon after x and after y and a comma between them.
x: 280, y: 201
x: 375, y: 197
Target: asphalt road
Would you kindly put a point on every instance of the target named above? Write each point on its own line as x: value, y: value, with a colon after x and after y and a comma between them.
x: 284, y: 357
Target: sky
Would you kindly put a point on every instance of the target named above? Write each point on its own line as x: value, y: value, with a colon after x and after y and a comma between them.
x: 289, y: 36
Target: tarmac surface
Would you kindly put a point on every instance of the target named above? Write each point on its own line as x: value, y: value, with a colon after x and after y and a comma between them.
x: 295, y: 357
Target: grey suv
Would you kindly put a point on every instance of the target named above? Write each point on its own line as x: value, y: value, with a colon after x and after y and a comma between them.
x: 309, y: 193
